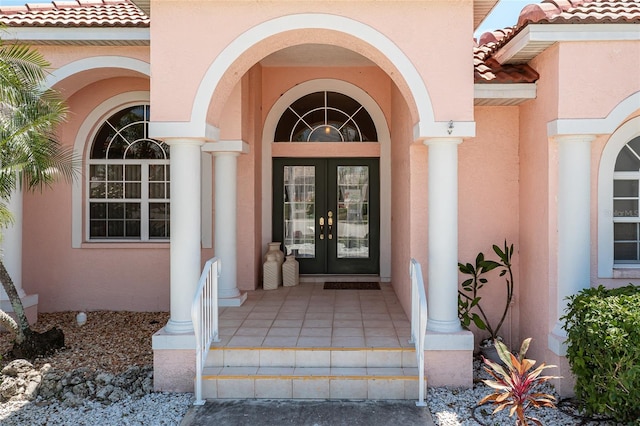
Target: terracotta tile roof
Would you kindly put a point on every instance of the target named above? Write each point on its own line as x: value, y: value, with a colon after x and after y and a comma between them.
x: 488, y: 70
x: 76, y: 13
x: 581, y: 12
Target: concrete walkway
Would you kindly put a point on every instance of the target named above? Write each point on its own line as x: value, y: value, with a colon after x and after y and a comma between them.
x: 311, y: 413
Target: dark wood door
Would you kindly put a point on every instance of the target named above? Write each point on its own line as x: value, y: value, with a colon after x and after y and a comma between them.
x: 327, y: 212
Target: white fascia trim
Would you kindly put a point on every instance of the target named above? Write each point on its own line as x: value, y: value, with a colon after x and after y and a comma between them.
x: 595, y: 126
x: 442, y: 129
x: 566, y: 32
x: 238, y: 146
x: 505, y: 91
x: 77, y: 34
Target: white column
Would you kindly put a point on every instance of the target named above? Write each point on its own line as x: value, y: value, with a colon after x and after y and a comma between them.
x: 226, y: 212
x: 185, y: 231
x: 226, y: 223
x: 443, y: 235
x: 12, y: 257
x: 574, y: 226
x: 12, y: 245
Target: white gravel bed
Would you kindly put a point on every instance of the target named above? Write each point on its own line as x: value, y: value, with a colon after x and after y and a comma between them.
x: 455, y: 407
x: 153, y: 409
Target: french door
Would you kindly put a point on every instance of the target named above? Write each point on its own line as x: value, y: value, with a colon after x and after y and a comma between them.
x: 326, y: 211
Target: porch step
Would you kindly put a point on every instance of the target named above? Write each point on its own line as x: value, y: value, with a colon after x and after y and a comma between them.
x: 311, y: 373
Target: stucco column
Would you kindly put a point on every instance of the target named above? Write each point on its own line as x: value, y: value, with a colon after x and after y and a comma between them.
x: 12, y: 245
x: 12, y: 258
x: 443, y: 235
x: 574, y: 226
x: 226, y: 212
x: 185, y: 231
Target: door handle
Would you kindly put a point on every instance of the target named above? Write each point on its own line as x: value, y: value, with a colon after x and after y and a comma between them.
x: 330, y: 223
x: 321, y: 223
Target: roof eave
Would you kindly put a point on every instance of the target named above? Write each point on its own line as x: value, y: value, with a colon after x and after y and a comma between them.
x: 481, y: 9
x: 504, y: 94
x: 535, y: 38
x: 126, y: 36
x: 144, y: 5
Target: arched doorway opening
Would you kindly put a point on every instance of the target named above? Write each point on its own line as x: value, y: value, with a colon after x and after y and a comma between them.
x: 327, y: 168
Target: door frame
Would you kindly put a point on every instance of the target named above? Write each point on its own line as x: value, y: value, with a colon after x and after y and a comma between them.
x: 383, y: 151
x: 326, y: 260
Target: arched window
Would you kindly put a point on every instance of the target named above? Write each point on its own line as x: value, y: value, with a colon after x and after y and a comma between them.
x: 128, y: 187
x: 326, y: 117
x: 626, y: 193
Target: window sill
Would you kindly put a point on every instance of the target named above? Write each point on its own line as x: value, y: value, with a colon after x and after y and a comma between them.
x: 632, y: 271
x: 124, y: 245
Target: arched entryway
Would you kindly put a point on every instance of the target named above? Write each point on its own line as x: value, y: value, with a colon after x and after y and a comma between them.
x: 327, y: 142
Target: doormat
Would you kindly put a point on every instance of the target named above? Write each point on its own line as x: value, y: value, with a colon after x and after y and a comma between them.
x: 341, y: 285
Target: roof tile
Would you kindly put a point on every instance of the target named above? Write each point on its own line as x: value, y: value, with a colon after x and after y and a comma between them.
x: 581, y: 12
x: 77, y: 13
x: 488, y: 70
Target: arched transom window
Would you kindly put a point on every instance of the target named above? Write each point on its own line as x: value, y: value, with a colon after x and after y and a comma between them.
x: 626, y: 193
x: 326, y: 117
x: 128, y: 180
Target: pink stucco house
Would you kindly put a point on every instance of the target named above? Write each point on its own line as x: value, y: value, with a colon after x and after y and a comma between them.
x: 360, y: 134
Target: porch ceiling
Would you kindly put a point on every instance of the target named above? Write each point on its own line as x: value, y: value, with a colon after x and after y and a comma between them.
x: 316, y: 55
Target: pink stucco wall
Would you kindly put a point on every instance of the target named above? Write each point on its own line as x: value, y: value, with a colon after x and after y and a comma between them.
x: 97, y: 276
x: 488, y: 193
x: 538, y: 268
x: 175, y: 29
x: 405, y: 178
x: 595, y: 90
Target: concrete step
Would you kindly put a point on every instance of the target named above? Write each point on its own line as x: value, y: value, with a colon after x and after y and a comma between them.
x: 312, y: 357
x: 311, y: 373
x: 310, y: 383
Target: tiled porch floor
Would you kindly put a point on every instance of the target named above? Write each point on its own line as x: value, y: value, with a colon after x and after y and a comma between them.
x: 307, y: 316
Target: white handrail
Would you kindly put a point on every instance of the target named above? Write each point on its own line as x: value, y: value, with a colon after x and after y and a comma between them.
x: 204, y: 315
x: 418, y: 322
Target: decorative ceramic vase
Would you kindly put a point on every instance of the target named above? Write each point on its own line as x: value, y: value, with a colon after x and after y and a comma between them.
x: 290, y: 271
x: 274, y: 248
x: 271, y: 273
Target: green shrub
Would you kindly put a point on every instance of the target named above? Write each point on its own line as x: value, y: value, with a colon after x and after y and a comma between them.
x: 603, y: 328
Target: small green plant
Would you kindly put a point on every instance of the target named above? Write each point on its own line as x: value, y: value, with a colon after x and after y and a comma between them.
x: 469, y: 307
x: 603, y: 350
x: 516, y: 384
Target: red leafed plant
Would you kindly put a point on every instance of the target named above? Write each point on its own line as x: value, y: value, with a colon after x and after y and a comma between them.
x: 516, y: 384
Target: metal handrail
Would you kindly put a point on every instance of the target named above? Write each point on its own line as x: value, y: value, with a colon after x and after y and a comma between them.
x: 204, y: 315
x: 418, y: 322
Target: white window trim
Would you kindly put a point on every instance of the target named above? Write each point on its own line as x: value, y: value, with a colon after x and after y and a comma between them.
x: 83, y: 141
x: 625, y: 133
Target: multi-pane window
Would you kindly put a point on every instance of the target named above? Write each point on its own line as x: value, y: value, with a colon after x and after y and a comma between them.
x: 129, y: 180
x: 626, y: 193
x: 326, y: 117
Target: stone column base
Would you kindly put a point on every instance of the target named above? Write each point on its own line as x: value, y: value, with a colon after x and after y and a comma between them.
x: 232, y: 301
x: 449, y: 359
x: 30, y: 304
x: 174, y: 361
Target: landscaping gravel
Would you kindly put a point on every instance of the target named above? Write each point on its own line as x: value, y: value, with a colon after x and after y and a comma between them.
x: 105, y: 350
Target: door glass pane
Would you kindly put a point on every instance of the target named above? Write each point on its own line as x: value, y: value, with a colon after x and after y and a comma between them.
x: 353, y: 212
x: 300, y: 210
